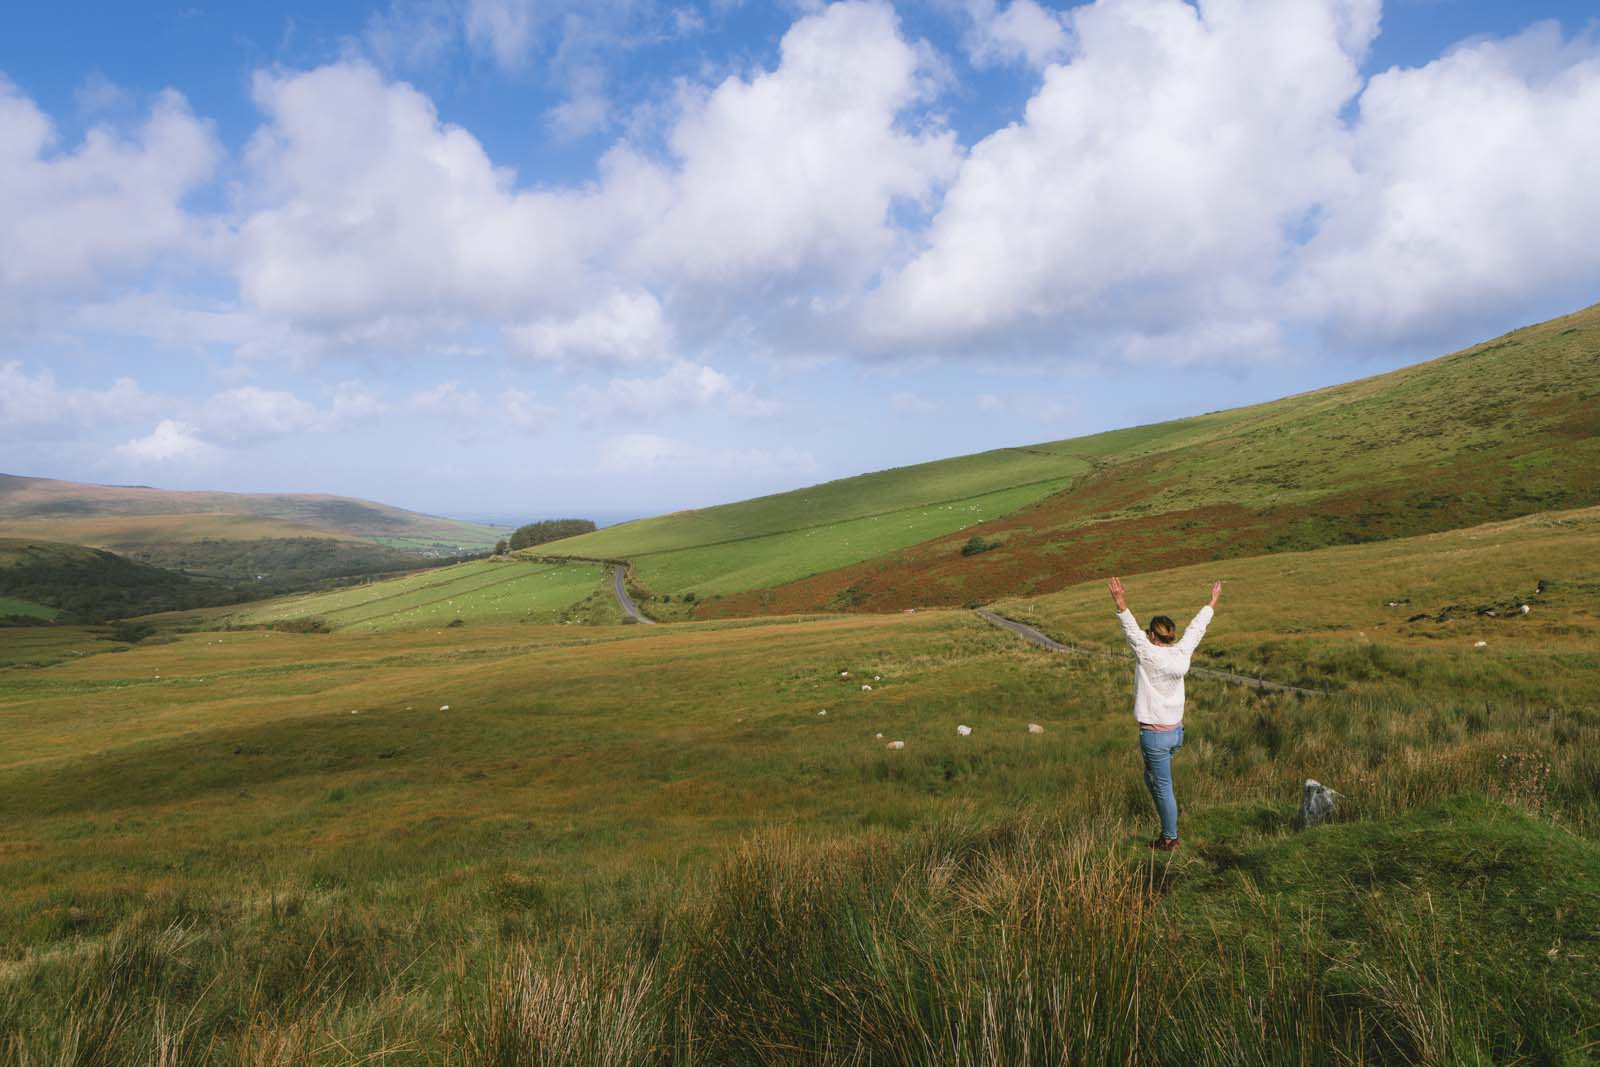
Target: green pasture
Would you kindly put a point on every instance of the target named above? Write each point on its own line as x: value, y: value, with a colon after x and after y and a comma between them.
x: 621, y: 844
x: 755, y: 562
x: 10, y: 605
x: 481, y: 591
x: 1029, y: 473
x: 1501, y: 429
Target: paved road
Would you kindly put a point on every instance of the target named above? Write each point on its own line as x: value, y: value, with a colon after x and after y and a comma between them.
x: 617, y: 576
x: 1029, y: 634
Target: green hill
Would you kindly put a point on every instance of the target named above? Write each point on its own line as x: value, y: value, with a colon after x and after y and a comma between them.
x: 1504, y: 428
x: 523, y: 844
x: 482, y: 591
x: 123, y: 517
x: 42, y: 581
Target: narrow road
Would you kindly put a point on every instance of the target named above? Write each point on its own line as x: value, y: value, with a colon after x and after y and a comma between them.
x: 1032, y: 636
x: 617, y: 575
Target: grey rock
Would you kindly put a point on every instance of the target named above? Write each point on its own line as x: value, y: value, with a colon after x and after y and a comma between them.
x: 1318, y: 804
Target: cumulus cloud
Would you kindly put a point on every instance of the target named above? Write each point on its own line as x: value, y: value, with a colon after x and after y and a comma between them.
x: 171, y: 441
x: 71, y: 217
x: 35, y: 404
x: 627, y: 327
x: 1152, y: 180
x: 363, y: 207
x: 1475, y: 182
x: 635, y: 453
x: 793, y: 171
x: 1020, y: 31
x: 684, y: 386
x: 250, y: 413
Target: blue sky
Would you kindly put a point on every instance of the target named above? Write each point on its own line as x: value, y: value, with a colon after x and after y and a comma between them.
x: 517, y: 258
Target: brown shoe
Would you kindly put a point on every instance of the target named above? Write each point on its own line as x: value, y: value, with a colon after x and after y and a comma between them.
x: 1165, y: 844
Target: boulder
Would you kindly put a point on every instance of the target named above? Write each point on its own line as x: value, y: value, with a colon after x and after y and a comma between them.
x: 1318, y: 804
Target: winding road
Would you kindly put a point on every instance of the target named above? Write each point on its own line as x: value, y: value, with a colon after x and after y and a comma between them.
x: 618, y: 574
x: 1032, y: 636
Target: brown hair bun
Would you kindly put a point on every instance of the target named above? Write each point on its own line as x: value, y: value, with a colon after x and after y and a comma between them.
x: 1163, y: 630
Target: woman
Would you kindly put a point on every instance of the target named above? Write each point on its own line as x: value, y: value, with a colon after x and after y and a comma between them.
x: 1161, y: 663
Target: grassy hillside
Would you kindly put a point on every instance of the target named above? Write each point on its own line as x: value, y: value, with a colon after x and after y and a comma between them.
x: 113, y: 516
x: 645, y: 845
x: 1505, y: 428
x: 47, y: 581
x: 484, y: 591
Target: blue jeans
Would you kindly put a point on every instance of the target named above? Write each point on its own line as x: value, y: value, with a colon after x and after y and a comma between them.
x: 1157, y: 747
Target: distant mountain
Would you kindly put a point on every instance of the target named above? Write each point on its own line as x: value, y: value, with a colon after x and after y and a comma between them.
x: 127, y: 517
x: 1504, y: 428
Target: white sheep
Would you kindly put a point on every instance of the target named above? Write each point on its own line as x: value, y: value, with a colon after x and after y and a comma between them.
x: 1481, y: 644
x: 1035, y: 728
x: 866, y: 689
x: 824, y: 711
x: 897, y: 744
x: 878, y: 736
x: 963, y: 730
x: 444, y: 707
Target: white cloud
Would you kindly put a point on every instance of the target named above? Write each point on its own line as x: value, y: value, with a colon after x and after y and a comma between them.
x: 684, y: 386
x: 641, y: 453
x: 447, y: 399
x: 524, y: 413
x: 1475, y: 185
x: 628, y: 327
x: 362, y: 210
x: 412, y: 33
x: 250, y: 413
x: 791, y: 172
x: 503, y: 28
x: 36, y: 404
x: 1153, y: 180
x: 1020, y: 31
x: 170, y: 441
x: 912, y: 404
x: 72, y: 217
x: 353, y: 402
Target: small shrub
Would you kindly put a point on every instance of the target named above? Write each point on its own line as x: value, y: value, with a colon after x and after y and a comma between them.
x: 976, y: 544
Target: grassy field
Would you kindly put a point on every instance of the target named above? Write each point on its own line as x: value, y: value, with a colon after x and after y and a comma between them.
x: 1505, y: 428
x: 483, y: 591
x: 757, y: 562
x: 10, y: 605
x: 645, y: 845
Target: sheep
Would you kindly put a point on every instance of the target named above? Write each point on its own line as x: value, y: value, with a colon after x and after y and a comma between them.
x: 963, y: 730
x: 1481, y: 644
x: 444, y: 707
x: 897, y: 744
x: 1035, y: 728
x: 824, y: 711
x: 866, y: 689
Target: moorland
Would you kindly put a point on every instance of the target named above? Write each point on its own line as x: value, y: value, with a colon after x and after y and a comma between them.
x: 473, y: 815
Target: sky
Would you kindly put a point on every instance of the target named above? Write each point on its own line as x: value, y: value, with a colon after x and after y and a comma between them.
x: 514, y: 259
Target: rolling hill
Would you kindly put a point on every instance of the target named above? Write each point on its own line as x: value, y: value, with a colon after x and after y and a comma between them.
x: 1504, y: 428
x: 367, y: 841
x: 126, y: 517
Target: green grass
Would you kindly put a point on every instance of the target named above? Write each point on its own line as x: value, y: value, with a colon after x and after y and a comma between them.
x: 486, y: 591
x: 10, y: 605
x: 645, y: 843
x: 757, y: 562
x: 1502, y: 429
